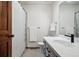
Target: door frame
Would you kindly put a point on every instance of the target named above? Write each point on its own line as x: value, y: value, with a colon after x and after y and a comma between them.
x: 10, y: 27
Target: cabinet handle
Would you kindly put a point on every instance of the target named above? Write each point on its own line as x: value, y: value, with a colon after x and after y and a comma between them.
x: 49, y: 51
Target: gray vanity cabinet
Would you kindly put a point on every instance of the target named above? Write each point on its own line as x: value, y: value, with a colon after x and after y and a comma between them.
x: 49, y: 51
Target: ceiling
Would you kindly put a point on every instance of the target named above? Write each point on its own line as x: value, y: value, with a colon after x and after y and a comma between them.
x: 37, y: 2
x: 71, y: 2
x: 46, y: 2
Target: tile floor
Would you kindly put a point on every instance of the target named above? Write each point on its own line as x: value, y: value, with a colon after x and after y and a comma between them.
x: 33, y: 53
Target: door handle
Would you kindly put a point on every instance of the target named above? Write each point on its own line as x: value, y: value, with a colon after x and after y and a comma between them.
x: 7, y: 35
x: 11, y: 35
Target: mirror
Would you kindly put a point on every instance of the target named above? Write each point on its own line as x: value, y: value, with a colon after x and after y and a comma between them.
x: 76, y: 23
x: 69, y: 18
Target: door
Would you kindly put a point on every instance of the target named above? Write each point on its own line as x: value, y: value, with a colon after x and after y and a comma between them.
x: 5, y: 29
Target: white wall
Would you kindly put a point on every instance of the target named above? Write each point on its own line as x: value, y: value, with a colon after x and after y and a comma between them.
x: 18, y: 29
x: 38, y: 16
x: 55, y: 15
x: 67, y: 17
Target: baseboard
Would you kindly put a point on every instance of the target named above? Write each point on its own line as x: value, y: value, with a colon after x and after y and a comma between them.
x: 32, y: 47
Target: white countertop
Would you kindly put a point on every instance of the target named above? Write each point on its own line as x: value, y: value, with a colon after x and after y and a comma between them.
x: 63, y: 48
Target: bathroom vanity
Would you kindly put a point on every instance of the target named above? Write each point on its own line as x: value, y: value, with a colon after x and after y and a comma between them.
x: 60, y: 47
x: 49, y: 51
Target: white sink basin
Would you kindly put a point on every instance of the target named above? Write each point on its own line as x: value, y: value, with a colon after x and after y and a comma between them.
x: 62, y: 39
x: 63, y: 46
x: 64, y: 42
x: 68, y: 39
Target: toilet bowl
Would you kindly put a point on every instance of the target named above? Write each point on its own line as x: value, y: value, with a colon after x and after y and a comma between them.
x: 41, y: 45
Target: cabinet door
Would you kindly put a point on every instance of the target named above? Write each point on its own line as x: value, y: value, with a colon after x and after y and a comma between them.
x: 51, y: 52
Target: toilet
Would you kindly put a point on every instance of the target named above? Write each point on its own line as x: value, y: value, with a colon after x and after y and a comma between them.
x: 41, y: 44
